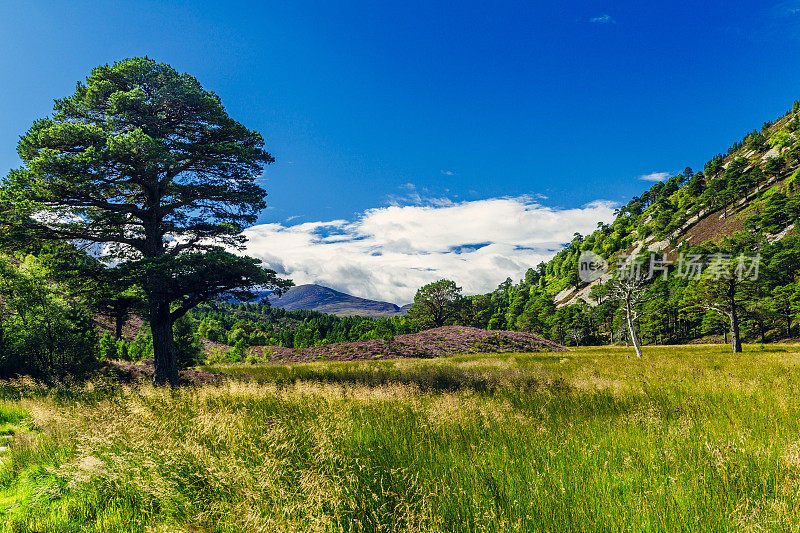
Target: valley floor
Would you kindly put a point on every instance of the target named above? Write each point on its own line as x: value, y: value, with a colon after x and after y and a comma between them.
x: 685, y: 439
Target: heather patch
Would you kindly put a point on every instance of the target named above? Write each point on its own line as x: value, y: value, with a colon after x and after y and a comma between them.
x: 438, y: 342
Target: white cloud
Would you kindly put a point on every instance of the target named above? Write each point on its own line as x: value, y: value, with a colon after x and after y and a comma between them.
x: 413, y: 197
x: 603, y: 19
x: 387, y: 253
x: 448, y: 172
x: 654, y: 176
x: 788, y: 8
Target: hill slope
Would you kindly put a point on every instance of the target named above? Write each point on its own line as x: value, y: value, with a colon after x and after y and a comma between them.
x: 752, y: 187
x: 327, y: 300
x: 745, y: 201
x: 438, y: 342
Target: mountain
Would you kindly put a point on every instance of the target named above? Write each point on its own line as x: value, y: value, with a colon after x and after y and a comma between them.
x: 327, y: 300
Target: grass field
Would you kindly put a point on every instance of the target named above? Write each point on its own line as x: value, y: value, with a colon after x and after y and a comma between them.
x: 686, y: 439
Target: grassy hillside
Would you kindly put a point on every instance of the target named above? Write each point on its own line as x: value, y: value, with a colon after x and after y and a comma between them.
x: 752, y: 187
x: 689, y: 439
x: 744, y: 202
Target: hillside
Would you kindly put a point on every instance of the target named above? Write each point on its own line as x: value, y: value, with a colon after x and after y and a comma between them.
x: 327, y: 300
x: 437, y: 342
x: 744, y: 202
x: 750, y: 188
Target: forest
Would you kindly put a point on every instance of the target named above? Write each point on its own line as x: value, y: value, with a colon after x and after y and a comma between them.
x: 56, y: 292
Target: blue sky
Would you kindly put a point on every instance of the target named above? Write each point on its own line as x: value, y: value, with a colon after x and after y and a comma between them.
x: 433, y: 104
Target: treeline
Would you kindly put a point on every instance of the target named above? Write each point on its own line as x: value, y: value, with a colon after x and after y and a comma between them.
x: 687, y: 297
x: 259, y: 324
x: 674, y: 311
x: 52, y: 295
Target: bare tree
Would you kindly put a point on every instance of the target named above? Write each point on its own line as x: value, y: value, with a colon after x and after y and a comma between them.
x: 631, y: 290
x: 576, y: 335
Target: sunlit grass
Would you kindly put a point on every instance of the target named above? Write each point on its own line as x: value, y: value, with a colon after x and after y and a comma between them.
x: 687, y: 439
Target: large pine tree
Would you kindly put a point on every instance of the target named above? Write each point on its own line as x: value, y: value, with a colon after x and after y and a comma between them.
x: 144, y: 162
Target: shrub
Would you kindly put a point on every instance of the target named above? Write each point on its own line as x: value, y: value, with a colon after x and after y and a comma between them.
x: 211, y: 330
x: 775, y: 165
x: 188, y: 351
x: 221, y: 355
x: 238, y: 353
x: 781, y: 140
x: 109, y: 348
x: 42, y: 334
x: 236, y: 335
x: 141, y: 347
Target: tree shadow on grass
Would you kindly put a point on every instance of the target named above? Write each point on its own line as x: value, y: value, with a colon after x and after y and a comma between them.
x: 433, y: 379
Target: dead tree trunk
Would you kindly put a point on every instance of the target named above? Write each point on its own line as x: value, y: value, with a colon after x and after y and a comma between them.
x: 631, y: 291
x: 634, y: 334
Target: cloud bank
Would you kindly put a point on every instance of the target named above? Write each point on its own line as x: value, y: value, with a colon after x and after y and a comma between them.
x: 655, y: 176
x: 387, y: 253
x: 602, y: 19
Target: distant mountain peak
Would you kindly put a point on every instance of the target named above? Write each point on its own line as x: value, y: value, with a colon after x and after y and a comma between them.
x: 314, y: 297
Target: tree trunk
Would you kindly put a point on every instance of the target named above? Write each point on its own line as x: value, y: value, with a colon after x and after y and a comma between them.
x: 166, y: 371
x: 119, y: 322
x: 637, y: 346
x: 736, y: 342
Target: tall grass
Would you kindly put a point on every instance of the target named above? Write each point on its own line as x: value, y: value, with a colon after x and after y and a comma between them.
x: 687, y: 439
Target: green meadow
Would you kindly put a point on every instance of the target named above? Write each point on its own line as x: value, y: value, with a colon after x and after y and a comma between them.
x: 689, y: 438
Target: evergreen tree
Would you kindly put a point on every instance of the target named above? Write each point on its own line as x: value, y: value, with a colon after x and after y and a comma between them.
x: 436, y: 304
x: 145, y: 161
